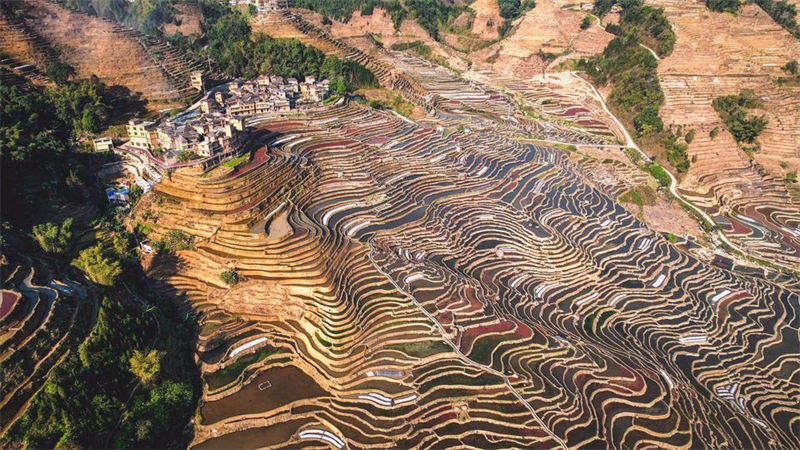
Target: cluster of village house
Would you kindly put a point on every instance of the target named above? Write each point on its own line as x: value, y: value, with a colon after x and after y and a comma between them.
x: 218, y: 128
x: 262, y: 6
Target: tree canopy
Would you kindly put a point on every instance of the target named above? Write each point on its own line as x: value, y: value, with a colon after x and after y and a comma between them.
x: 782, y: 12
x: 145, y: 365
x: 241, y: 54
x: 731, y: 6
x: 636, y: 90
x: 732, y: 110
x: 52, y: 238
x: 649, y: 23
x: 97, y: 266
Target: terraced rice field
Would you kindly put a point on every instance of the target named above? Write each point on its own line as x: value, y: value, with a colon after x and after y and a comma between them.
x: 457, y: 101
x: 37, y: 324
x: 460, y: 288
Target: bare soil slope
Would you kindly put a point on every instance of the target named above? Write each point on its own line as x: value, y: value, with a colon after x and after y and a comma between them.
x: 720, y: 54
x: 189, y: 18
x: 548, y: 28
x: 96, y: 47
x: 487, y: 18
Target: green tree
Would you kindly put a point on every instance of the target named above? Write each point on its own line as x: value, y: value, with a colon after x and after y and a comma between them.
x: 59, y: 72
x: 52, y: 238
x: 97, y: 266
x: 229, y: 277
x: 338, y: 86
x: 81, y: 103
x: 145, y: 365
x: 731, y: 6
x: 31, y: 130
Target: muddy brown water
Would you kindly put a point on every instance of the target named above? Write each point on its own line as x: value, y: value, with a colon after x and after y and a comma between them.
x: 288, y: 384
x: 255, y: 437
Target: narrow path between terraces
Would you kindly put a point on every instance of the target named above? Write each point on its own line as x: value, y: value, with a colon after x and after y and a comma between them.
x: 465, y: 358
x: 599, y: 24
x: 673, y: 186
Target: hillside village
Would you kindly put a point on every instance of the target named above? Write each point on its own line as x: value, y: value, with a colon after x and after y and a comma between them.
x: 215, y: 126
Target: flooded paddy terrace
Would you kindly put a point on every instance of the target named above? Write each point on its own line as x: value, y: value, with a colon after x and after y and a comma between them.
x: 461, y: 288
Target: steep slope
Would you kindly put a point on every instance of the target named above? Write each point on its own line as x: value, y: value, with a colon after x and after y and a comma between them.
x: 720, y: 54
x: 115, y: 54
x: 458, y: 289
x: 550, y: 28
x: 486, y: 23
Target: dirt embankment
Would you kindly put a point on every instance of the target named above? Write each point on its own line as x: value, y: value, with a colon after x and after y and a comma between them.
x: 487, y: 19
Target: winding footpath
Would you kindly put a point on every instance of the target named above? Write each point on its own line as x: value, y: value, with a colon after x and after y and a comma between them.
x: 673, y: 185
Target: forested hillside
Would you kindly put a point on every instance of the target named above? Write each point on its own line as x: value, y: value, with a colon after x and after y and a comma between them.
x: 629, y: 66
x: 146, y: 15
x: 56, y: 221
x: 229, y: 41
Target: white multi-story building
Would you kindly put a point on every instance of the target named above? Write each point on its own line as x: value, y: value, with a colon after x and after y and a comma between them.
x: 141, y: 133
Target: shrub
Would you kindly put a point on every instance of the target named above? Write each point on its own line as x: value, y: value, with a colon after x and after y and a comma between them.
x: 176, y: 240
x: 229, y: 277
x: 586, y: 22
x: 403, y: 107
